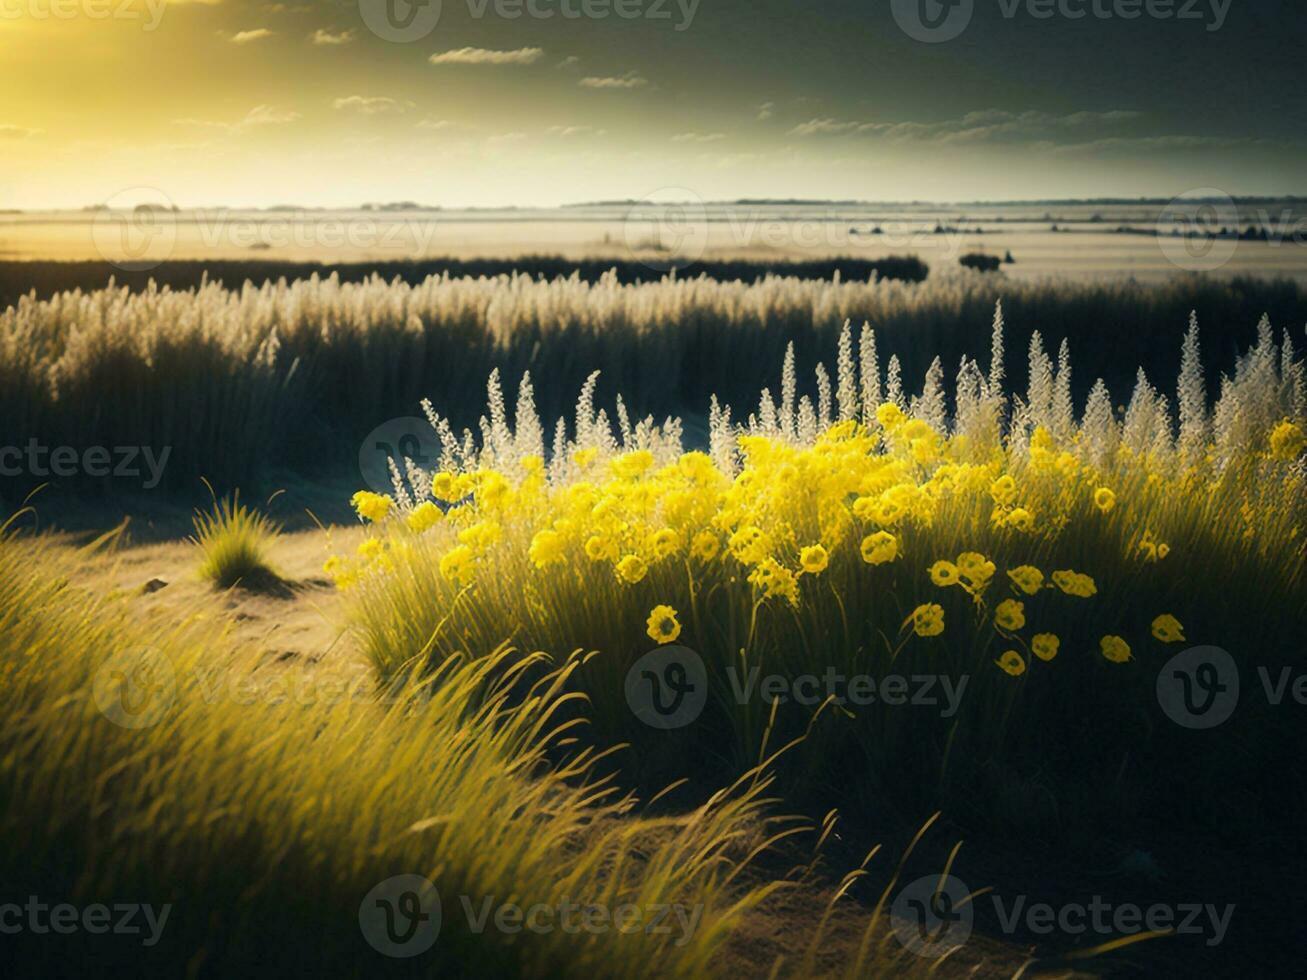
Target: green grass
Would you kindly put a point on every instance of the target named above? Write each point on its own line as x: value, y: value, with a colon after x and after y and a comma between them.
x: 234, y: 542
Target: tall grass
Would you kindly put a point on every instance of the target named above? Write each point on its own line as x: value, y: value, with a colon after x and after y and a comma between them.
x: 1201, y: 520
x: 242, y: 381
x: 265, y: 819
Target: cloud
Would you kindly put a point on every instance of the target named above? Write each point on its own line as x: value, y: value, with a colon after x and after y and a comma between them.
x: 325, y: 37
x: 698, y: 137
x: 17, y: 132
x: 433, y: 124
x: 630, y: 80
x: 372, y: 105
x: 261, y: 115
x: 985, y: 126
x: 249, y: 37
x: 570, y: 131
x: 266, y: 115
x: 506, y: 138
x: 823, y: 127
x: 485, y: 56
x: 571, y: 61
x: 766, y: 111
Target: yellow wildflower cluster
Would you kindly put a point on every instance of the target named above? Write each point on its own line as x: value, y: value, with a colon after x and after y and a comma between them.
x: 796, y: 523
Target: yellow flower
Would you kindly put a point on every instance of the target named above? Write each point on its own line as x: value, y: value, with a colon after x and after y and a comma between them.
x: 664, y: 543
x: 705, y: 546
x: 547, y: 548
x: 1021, y: 519
x: 1168, y: 629
x: 663, y: 627
x: 928, y: 620
x: 814, y: 559
x: 1010, y: 615
x: 976, y: 570
x: 1045, y: 645
x: 600, y: 548
x: 879, y: 548
x: 632, y: 569
x: 445, y: 486
x: 1115, y: 649
x: 1104, y: 499
x: 457, y: 565
x: 890, y: 416
x: 631, y: 465
x: 424, y: 517
x: 1287, y: 440
x: 1003, y: 490
x: 944, y: 573
x: 1075, y: 583
x: 1027, y: 578
x: 1012, y: 663
x: 481, y: 535
x: 371, y: 506
x: 584, y: 457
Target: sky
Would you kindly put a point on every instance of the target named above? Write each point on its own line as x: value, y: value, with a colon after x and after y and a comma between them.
x: 494, y: 103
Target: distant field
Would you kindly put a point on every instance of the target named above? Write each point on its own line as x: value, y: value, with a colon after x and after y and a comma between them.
x: 1143, y: 241
x: 47, y: 278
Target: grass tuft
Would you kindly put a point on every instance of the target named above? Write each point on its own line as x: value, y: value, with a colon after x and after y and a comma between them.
x: 234, y: 541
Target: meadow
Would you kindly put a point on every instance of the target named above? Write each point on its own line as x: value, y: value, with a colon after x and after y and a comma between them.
x: 740, y: 602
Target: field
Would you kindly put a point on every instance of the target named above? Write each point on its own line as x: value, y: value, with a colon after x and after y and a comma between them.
x: 743, y: 622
